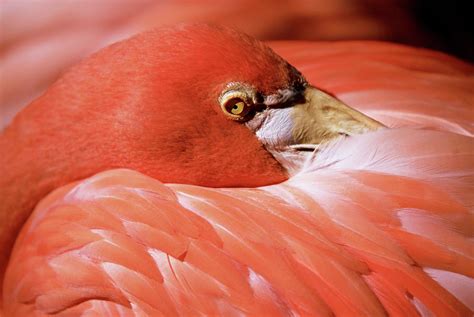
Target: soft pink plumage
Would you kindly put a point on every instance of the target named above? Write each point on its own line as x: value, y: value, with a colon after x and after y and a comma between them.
x: 374, y: 224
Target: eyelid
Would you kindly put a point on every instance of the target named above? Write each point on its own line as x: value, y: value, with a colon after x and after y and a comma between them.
x: 233, y: 94
x: 237, y: 91
x: 240, y: 90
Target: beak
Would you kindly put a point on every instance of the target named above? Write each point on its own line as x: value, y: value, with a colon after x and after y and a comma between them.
x: 321, y: 118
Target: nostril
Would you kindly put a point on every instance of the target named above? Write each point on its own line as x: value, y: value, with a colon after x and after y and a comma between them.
x: 304, y: 147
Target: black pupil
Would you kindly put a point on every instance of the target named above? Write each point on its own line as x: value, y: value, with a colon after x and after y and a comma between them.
x: 235, y: 107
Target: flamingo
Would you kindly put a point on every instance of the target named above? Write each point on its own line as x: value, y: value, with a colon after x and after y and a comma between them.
x: 191, y: 170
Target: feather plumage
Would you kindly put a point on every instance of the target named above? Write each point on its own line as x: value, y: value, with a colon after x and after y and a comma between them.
x: 343, y: 237
x: 374, y: 224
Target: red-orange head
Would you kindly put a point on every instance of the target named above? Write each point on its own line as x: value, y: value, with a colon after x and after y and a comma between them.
x: 152, y: 103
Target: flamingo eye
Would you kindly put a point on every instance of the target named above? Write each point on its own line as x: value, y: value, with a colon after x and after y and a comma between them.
x: 237, y: 102
x: 236, y: 107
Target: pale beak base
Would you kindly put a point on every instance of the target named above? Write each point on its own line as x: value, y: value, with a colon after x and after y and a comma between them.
x: 322, y: 118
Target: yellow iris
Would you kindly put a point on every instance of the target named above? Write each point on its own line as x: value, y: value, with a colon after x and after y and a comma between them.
x: 238, y: 108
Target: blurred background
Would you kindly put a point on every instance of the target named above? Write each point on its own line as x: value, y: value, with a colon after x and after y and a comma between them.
x: 39, y: 39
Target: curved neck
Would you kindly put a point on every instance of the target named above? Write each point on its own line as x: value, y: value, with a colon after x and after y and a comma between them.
x: 29, y: 170
x: 22, y: 184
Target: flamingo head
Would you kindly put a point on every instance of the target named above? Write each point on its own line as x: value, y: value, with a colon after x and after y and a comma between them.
x: 194, y: 104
